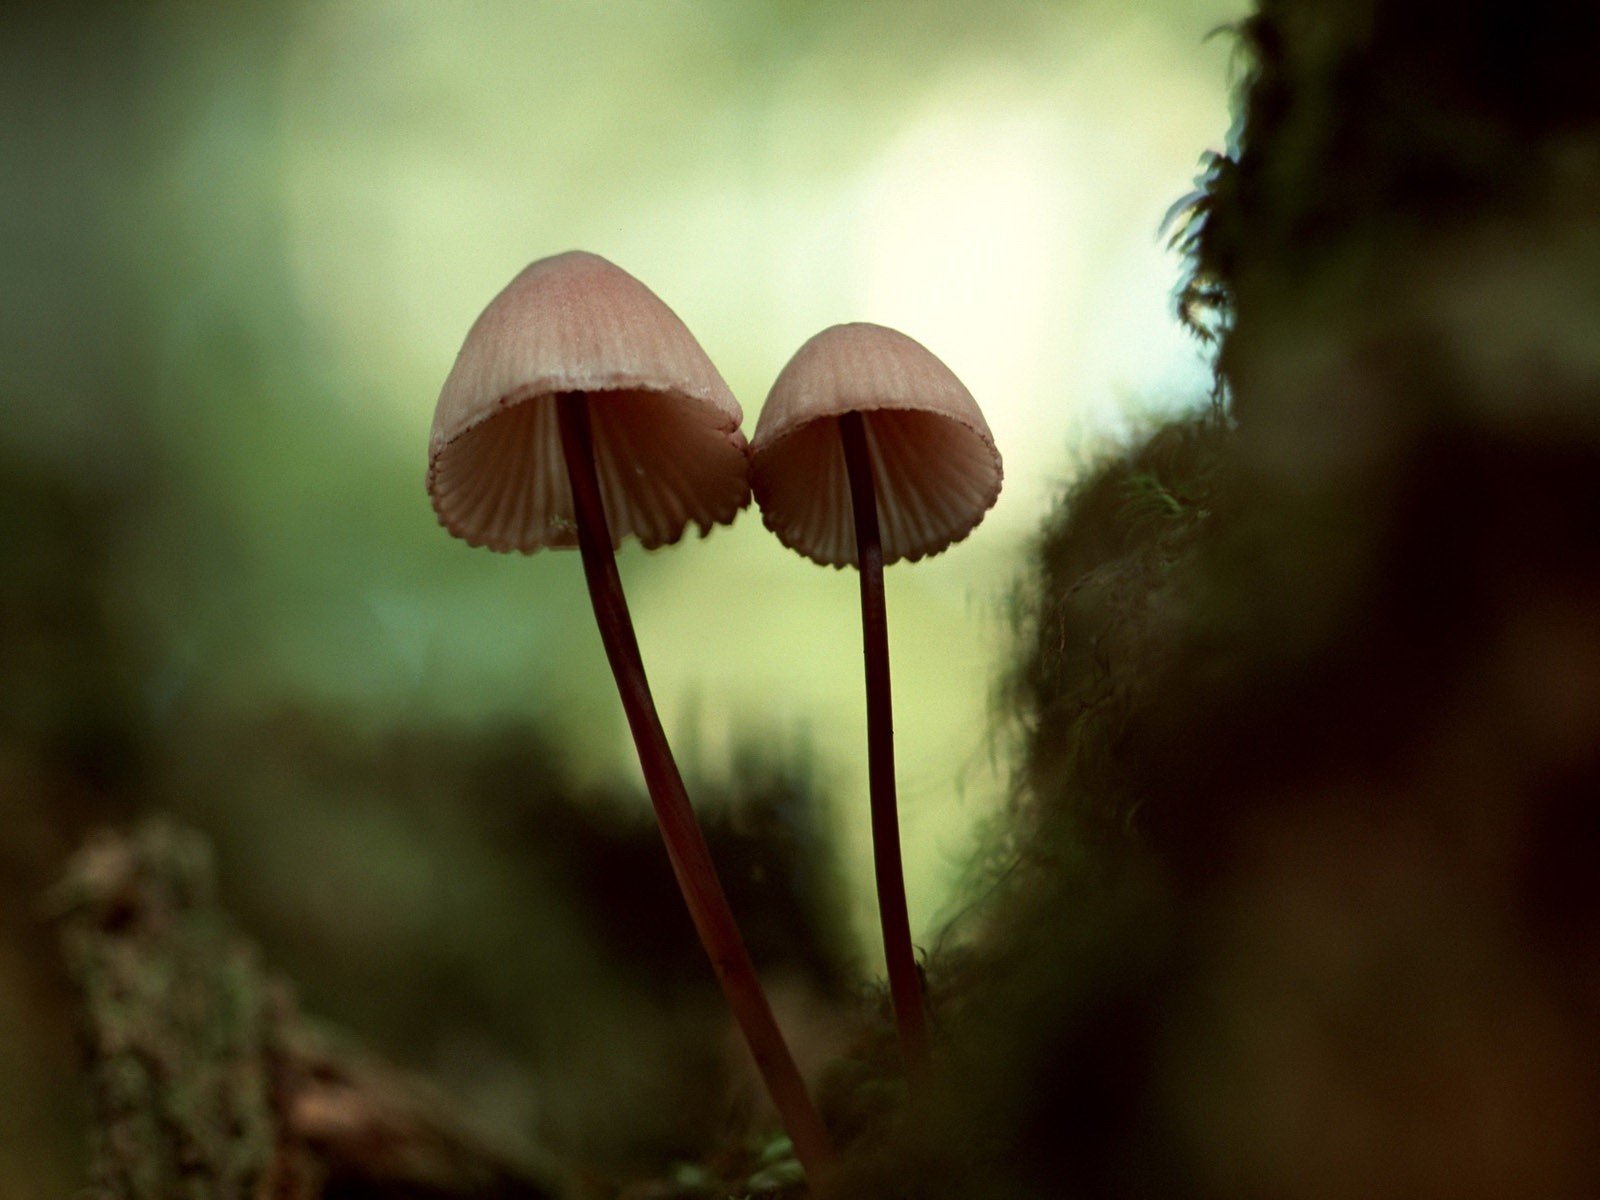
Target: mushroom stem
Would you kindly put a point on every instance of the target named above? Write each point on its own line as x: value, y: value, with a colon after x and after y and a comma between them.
x: 905, y: 984
x: 686, y: 845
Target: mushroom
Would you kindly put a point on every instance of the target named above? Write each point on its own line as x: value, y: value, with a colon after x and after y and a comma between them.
x: 580, y: 411
x: 869, y: 450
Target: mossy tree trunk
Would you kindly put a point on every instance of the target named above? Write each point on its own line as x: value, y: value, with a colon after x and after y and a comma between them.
x: 1301, y: 897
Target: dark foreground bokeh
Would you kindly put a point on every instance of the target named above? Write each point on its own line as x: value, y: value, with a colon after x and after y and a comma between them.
x: 1301, y: 895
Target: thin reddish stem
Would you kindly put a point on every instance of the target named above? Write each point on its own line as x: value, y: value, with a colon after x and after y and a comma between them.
x: 905, y: 983
x: 686, y: 845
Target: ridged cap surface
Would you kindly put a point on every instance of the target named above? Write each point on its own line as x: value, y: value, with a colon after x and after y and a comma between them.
x: 935, y: 466
x: 668, y: 450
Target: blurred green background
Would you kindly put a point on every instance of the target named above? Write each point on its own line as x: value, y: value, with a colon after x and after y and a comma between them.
x: 241, y: 246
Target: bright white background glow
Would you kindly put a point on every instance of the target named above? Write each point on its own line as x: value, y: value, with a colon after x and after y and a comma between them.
x: 992, y: 189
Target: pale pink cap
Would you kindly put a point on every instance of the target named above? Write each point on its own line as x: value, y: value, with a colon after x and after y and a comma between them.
x: 667, y: 445
x: 934, y: 463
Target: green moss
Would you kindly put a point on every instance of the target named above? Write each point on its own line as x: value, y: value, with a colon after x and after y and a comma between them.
x: 177, y: 1012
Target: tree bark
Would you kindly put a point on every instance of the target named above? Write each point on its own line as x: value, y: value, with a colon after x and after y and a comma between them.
x: 207, y: 1084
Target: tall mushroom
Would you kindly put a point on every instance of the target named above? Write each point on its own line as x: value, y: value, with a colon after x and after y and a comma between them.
x: 580, y: 411
x: 870, y: 450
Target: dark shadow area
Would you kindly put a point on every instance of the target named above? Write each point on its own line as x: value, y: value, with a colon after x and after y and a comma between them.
x: 1299, y: 898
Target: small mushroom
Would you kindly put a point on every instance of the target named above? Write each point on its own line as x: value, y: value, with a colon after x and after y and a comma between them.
x: 580, y: 411
x: 869, y: 450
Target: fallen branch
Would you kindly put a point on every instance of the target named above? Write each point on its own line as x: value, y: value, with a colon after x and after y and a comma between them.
x: 207, y: 1084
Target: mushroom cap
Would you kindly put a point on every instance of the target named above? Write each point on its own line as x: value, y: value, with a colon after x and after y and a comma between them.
x: 667, y: 444
x: 935, y: 466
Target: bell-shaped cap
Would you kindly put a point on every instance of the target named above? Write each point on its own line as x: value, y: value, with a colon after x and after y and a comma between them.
x: 935, y: 466
x: 667, y: 445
